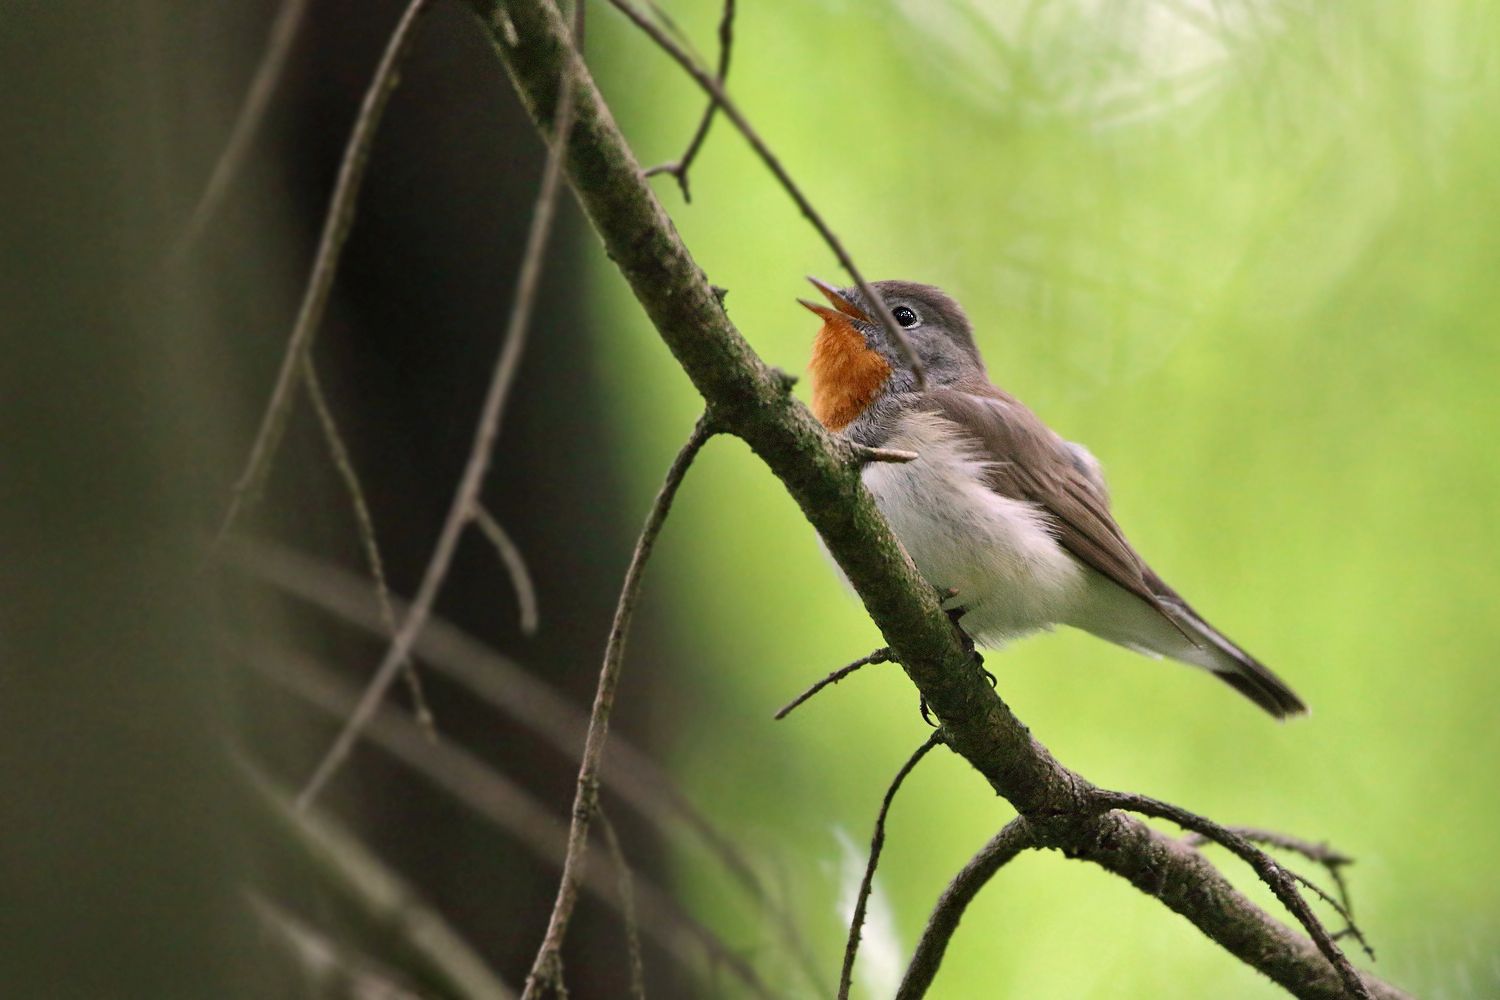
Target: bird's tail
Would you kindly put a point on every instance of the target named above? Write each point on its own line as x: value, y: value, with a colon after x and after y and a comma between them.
x: 1235, y: 667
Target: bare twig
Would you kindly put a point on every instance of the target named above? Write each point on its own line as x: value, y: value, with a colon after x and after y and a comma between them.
x: 247, y: 123
x: 882, y: 655
x: 518, y: 692
x: 587, y: 794
x: 515, y: 566
x: 339, y: 454
x: 721, y: 98
x: 1012, y: 839
x: 1330, y: 860
x: 898, y: 456
x: 466, y: 497
x: 877, y: 841
x: 325, y: 265
x: 678, y: 168
x: 627, y: 905
x: 1282, y: 882
x: 500, y: 801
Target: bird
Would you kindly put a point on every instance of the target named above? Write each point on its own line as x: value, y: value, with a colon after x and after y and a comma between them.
x: 997, y: 509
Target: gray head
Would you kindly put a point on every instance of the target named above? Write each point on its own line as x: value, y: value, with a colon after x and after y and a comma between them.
x: 935, y: 326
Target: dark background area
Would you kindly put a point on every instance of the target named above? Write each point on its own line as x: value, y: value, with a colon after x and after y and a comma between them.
x: 413, y: 328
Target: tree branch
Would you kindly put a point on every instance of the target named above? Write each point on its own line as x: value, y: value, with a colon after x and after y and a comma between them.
x: 751, y: 401
x: 516, y: 691
x: 716, y: 92
x: 882, y: 655
x: 877, y: 842
x: 678, y: 168
x: 461, y: 511
x: 544, y: 970
x: 338, y: 453
x: 1012, y: 839
x: 325, y: 265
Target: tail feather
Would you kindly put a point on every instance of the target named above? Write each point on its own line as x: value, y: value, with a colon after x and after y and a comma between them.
x: 1229, y: 662
x: 1170, y: 627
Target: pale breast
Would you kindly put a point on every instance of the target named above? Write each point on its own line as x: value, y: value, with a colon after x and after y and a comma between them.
x: 1011, y: 574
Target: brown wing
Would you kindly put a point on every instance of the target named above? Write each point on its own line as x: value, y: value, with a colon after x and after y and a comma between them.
x: 1033, y: 463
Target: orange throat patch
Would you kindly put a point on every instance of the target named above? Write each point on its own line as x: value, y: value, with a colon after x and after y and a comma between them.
x: 846, y: 374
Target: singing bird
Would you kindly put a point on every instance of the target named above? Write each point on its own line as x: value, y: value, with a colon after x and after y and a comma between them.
x: 998, y: 507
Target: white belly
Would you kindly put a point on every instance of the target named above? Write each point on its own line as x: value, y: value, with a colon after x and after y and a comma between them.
x: 1011, y: 574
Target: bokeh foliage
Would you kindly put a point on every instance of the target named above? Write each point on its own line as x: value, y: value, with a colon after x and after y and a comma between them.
x: 1247, y: 253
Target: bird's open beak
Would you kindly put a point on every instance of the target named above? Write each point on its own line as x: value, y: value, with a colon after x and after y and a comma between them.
x: 842, y: 309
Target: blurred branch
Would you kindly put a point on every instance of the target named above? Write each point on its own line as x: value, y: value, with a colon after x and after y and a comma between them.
x: 332, y: 971
x: 678, y: 168
x: 465, y: 504
x: 546, y: 969
x: 877, y: 842
x: 335, y: 233
x: 247, y: 123
x: 515, y: 566
x: 1012, y: 839
x: 627, y: 905
x: 335, y: 862
x: 749, y: 400
x: 338, y: 453
x: 497, y: 799
x: 517, y: 692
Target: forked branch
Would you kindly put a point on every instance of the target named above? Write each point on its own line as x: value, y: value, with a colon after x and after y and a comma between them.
x: 678, y: 168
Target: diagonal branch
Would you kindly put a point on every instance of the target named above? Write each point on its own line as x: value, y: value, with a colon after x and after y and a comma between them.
x: 773, y: 163
x: 1280, y: 881
x: 882, y: 655
x: 247, y: 123
x: 751, y: 401
x: 338, y: 453
x: 1012, y: 839
x: 325, y: 265
x: 678, y: 168
x: 520, y: 694
x: 544, y: 969
x: 466, y: 496
x: 877, y: 843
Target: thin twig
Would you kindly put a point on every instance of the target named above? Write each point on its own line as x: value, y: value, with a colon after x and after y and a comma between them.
x: 587, y: 793
x: 491, y: 795
x: 515, y: 566
x: 898, y: 456
x: 325, y: 265
x: 627, y: 905
x: 679, y: 168
x: 1281, y: 882
x: 873, y: 301
x: 518, y: 692
x: 1012, y: 839
x: 1321, y: 854
x: 338, y: 452
x: 877, y: 841
x: 466, y: 496
x: 283, y: 34
x: 882, y: 655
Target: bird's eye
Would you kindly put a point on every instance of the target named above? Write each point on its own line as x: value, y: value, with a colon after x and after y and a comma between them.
x: 905, y: 315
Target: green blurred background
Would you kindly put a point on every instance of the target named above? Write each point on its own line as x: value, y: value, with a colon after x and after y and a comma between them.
x: 1248, y: 254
